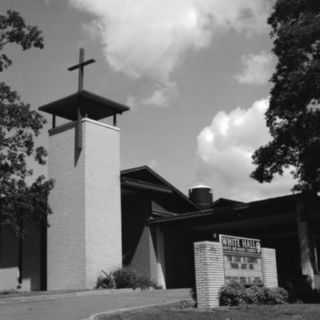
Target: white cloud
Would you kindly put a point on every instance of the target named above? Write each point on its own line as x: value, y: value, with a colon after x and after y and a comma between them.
x: 148, y: 38
x: 160, y: 97
x: 257, y: 68
x: 225, y: 148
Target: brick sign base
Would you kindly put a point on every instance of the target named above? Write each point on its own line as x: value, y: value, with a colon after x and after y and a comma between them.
x: 210, y: 271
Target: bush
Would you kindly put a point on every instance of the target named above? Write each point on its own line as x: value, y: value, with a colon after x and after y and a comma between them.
x: 145, y: 283
x: 276, y: 296
x: 232, y: 294
x: 254, y: 295
x: 123, y: 278
x: 235, y: 294
x: 105, y: 281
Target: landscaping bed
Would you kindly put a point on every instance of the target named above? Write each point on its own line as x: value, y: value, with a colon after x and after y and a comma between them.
x: 252, y: 312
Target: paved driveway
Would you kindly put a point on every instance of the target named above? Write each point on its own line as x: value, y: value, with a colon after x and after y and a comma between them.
x: 81, y: 307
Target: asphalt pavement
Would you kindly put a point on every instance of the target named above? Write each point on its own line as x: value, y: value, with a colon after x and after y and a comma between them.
x: 82, y: 306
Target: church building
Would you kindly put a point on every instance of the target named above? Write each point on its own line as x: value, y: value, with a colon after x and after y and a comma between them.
x: 104, y: 218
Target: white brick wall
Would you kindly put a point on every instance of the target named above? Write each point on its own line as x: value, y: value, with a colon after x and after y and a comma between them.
x: 65, y: 248
x: 84, y: 236
x: 269, y: 268
x: 102, y: 200
x: 209, y: 273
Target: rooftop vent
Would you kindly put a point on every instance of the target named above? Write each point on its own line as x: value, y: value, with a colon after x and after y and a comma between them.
x: 201, y: 195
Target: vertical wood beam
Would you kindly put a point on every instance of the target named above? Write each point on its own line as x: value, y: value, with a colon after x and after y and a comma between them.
x: 53, y: 121
x: 304, y: 237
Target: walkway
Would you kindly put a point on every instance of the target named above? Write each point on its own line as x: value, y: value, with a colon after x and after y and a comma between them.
x: 81, y: 306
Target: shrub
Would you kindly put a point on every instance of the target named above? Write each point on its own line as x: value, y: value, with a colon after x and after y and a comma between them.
x: 143, y: 282
x: 105, y: 281
x: 276, y: 296
x: 255, y: 295
x: 124, y: 278
x: 234, y: 294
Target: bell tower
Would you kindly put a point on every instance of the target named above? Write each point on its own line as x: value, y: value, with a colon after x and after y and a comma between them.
x: 84, y: 234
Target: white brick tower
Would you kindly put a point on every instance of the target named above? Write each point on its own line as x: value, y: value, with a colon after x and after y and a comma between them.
x: 84, y: 234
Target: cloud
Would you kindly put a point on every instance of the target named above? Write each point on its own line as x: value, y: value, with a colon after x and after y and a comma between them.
x: 148, y: 38
x: 158, y: 98
x: 257, y: 68
x: 225, y: 148
x: 162, y: 96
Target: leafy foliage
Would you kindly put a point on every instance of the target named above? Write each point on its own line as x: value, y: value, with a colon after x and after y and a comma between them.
x: 14, y: 30
x: 234, y: 294
x: 123, y: 278
x: 293, y: 116
x: 20, y: 199
x: 105, y: 281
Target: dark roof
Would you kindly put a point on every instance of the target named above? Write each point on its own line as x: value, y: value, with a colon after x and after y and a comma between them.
x: 223, y: 202
x: 270, y: 206
x: 91, y: 105
x: 144, y: 178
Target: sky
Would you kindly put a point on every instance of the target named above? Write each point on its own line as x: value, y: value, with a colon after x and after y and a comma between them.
x: 195, y: 74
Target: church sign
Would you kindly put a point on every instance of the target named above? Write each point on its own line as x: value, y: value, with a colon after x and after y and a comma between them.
x: 239, y: 259
x: 242, y: 259
x: 238, y: 245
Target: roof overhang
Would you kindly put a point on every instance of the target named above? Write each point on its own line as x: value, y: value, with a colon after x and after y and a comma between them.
x: 143, y: 185
x: 90, y: 105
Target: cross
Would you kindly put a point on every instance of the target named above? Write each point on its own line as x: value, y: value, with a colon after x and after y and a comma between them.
x: 82, y: 63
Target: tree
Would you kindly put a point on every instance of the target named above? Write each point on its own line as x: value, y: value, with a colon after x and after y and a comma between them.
x: 293, y: 116
x: 20, y: 200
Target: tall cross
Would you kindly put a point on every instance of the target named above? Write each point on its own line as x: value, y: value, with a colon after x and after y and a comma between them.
x: 82, y: 63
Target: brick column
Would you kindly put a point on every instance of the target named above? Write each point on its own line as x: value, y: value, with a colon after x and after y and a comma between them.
x: 269, y: 268
x: 209, y: 273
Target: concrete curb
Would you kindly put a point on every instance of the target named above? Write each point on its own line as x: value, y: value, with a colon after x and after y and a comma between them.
x: 110, y: 312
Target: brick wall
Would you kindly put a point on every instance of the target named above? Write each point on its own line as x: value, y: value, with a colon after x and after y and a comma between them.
x: 84, y: 236
x: 269, y: 267
x: 103, y: 247
x: 209, y: 273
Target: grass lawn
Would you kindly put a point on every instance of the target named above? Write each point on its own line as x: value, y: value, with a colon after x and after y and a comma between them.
x: 277, y: 312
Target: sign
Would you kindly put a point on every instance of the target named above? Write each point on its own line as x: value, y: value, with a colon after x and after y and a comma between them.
x: 242, y: 259
x: 233, y: 245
